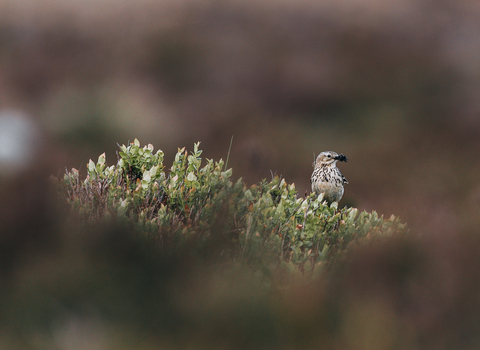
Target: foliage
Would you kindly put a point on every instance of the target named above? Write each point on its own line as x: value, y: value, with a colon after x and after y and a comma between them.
x: 204, y: 206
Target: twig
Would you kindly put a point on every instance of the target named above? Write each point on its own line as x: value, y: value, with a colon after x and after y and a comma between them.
x: 228, y: 155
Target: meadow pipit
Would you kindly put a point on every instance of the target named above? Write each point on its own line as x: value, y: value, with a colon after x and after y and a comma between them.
x: 327, y: 178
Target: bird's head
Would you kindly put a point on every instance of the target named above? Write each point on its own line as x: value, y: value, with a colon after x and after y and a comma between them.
x: 329, y: 158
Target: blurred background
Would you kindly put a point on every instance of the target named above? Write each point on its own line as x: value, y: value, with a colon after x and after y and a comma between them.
x: 395, y: 86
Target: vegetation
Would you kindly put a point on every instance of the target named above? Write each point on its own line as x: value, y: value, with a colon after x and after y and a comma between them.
x: 201, y: 206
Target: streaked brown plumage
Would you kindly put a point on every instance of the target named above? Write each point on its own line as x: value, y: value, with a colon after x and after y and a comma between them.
x: 327, y: 178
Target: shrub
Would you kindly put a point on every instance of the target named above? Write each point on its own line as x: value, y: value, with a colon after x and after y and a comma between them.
x: 202, y: 207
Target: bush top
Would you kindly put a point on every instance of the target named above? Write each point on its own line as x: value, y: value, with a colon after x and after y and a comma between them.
x: 199, y: 204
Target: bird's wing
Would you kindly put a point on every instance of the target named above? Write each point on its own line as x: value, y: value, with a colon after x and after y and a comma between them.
x: 344, y: 179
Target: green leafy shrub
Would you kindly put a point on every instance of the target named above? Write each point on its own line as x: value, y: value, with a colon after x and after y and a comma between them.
x: 204, y: 206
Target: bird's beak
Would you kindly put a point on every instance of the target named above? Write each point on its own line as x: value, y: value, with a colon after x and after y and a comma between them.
x: 341, y: 158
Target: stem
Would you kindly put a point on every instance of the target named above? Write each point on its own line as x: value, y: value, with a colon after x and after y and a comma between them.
x: 228, y: 155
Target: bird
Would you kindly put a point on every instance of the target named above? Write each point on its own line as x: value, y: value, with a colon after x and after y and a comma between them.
x: 327, y: 178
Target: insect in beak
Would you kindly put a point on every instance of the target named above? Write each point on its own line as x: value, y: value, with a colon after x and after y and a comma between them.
x: 341, y: 158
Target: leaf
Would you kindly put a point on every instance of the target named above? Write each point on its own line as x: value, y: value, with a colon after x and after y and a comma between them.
x: 191, y: 177
x: 279, y: 211
x: 154, y: 171
x: 146, y: 176
x: 248, y: 195
x: 91, y: 166
x: 101, y: 158
x: 227, y: 173
x: 352, y: 214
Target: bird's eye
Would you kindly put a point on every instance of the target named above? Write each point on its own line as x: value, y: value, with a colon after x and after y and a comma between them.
x: 328, y: 155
